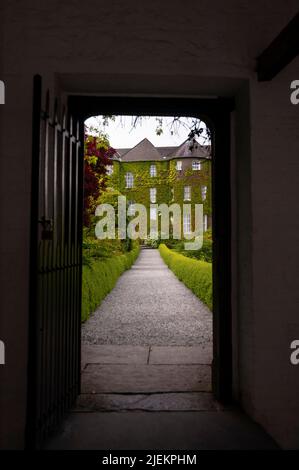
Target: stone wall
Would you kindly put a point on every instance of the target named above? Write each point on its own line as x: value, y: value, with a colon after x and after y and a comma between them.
x: 168, y: 48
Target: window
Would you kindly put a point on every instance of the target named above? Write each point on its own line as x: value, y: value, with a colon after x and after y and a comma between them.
x: 172, y: 194
x: 109, y: 169
x: 195, y: 165
x: 187, y: 224
x: 205, y: 223
x: 179, y: 165
x: 204, y: 193
x: 153, y: 195
x: 187, y: 193
x: 153, y: 213
x: 129, y: 180
x: 153, y: 170
x: 131, y: 209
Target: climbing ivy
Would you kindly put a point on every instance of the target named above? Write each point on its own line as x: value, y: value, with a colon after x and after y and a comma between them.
x: 169, y: 182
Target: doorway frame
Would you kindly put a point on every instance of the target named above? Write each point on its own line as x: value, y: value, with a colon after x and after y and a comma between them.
x: 216, y: 113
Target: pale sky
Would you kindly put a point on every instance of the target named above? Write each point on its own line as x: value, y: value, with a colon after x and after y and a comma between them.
x: 122, y: 134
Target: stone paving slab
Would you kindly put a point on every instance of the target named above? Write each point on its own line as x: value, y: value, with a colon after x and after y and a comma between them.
x: 181, y: 354
x: 113, y: 354
x: 135, y: 378
x: 186, y: 401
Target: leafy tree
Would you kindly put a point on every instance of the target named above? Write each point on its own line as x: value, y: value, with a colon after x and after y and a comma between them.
x: 195, y: 126
x: 97, y: 155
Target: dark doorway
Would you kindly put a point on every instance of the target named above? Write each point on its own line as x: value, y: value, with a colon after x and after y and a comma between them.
x: 56, y: 264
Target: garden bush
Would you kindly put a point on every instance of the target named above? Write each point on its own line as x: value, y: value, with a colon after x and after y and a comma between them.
x: 204, y: 254
x: 99, y: 277
x: 195, y: 274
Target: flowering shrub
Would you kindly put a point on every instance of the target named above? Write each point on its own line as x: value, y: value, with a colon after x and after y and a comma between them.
x: 97, y: 155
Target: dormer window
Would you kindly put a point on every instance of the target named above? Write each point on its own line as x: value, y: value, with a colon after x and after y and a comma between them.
x: 129, y: 180
x: 153, y: 170
x: 179, y: 165
x: 196, y: 165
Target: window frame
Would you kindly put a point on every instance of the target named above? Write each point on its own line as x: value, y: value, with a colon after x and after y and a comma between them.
x: 179, y: 165
x: 153, y: 195
x: 109, y: 169
x: 129, y: 210
x: 196, y: 162
x: 153, y: 209
x: 130, y: 175
x: 204, y: 190
x: 153, y: 174
x: 205, y: 223
x: 187, y: 222
x: 190, y: 193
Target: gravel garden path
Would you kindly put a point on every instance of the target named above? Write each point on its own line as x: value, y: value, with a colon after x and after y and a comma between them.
x: 146, y: 372
x: 150, y: 306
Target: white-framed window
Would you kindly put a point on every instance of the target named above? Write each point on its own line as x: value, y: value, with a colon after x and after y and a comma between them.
x: 205, y: 223
x: 187, y: 193
x: 153, y: 170
x: 153, y: 213
x: 109, y: 169
x: 179, y: 165
x: 187, y: 229
x: 196, y: 165
x: 153, y: 195
x: 131, y: 209
x: 129, y: 180
x: 204, y: 193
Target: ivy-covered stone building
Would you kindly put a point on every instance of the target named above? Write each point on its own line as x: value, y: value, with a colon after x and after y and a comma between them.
x: 151, y: 175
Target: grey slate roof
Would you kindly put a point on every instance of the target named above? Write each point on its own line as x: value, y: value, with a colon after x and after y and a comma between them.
x: 191, y: 150
x: 121, y: 152
x: 143, y: 151
x: 146, y: 151
x: 167, y: 151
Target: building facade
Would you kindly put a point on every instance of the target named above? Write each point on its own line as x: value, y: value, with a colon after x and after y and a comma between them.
x: 153, y: 176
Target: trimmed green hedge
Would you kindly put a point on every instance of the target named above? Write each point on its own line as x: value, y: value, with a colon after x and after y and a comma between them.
x: 195, y: 274
x: 99, y: 278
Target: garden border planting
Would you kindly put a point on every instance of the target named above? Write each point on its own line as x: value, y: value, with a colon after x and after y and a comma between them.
x: 99, y: 278
x: 195, y: 274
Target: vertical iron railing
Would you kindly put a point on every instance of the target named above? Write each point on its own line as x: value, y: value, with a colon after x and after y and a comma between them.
x: 55, y: 278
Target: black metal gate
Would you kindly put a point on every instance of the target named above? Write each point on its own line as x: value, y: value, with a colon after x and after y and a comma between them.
x: 55, y: 284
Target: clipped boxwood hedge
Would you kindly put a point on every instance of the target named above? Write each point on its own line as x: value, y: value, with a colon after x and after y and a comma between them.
x: 99, y: 278
x: 195, y: 274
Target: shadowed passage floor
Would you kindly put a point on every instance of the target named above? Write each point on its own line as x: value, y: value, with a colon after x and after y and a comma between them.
x: 146, y: 372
